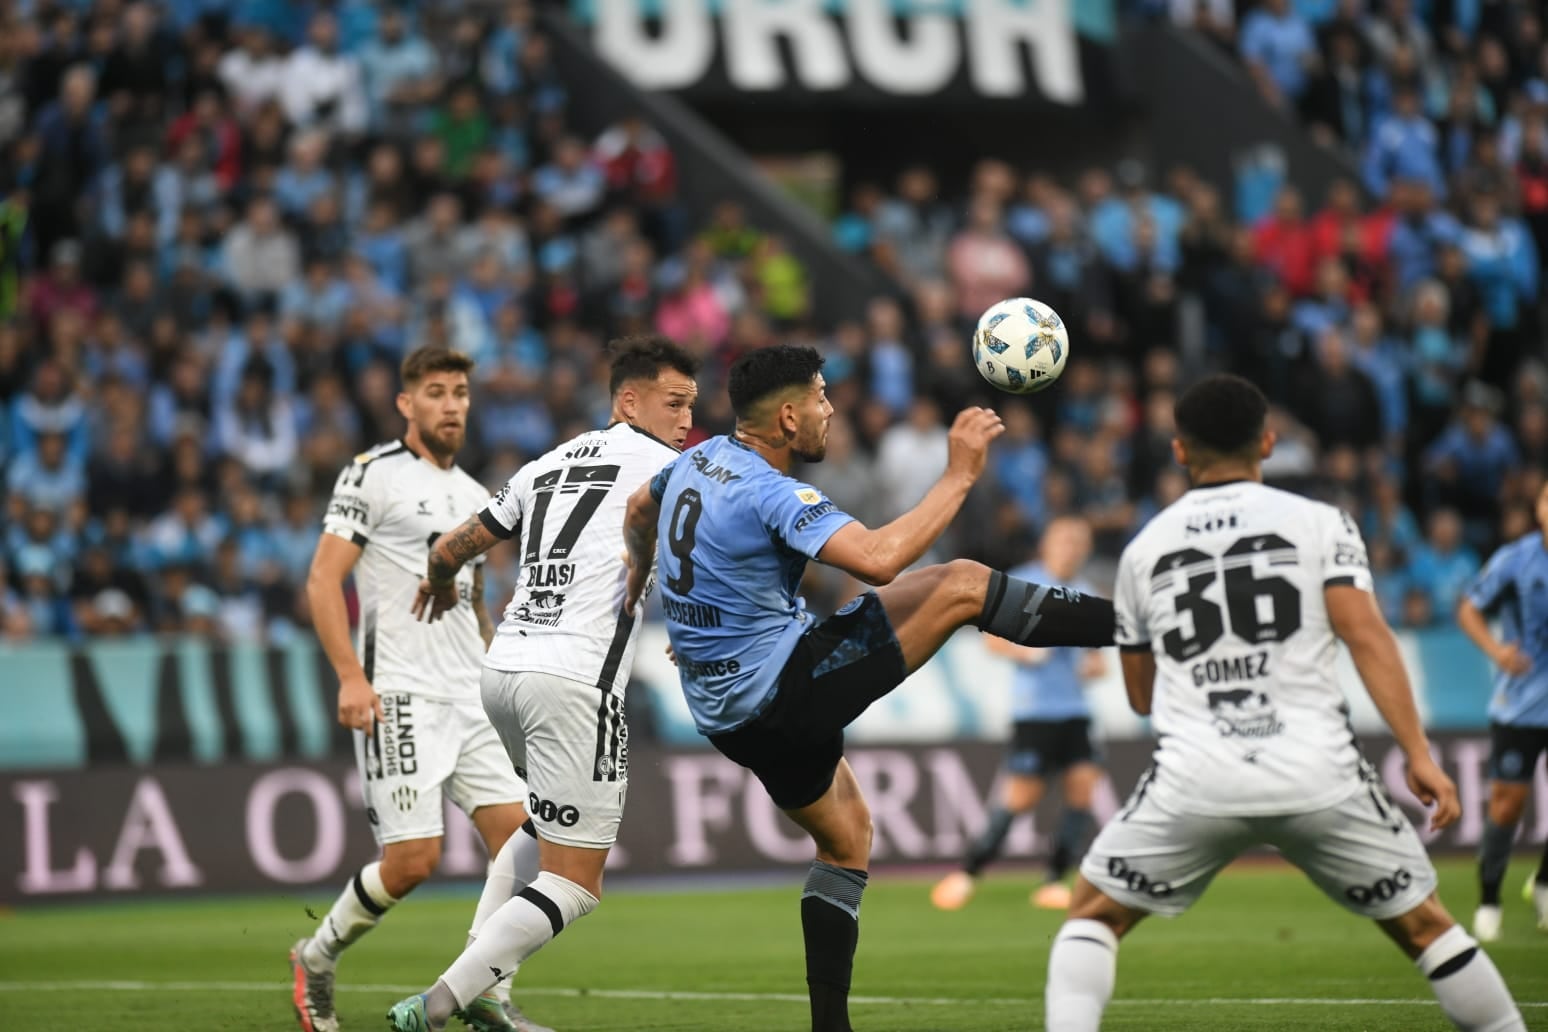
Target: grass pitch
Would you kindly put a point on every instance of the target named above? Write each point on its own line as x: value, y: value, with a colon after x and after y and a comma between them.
x: 1264, y: 950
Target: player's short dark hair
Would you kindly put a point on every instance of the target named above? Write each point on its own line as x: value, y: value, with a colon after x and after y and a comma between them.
x: 766, y: 371
x: 421, y: 362
x: 1222, y: 413
x: 641, y: 357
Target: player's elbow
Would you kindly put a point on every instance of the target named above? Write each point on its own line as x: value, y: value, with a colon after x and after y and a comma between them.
x: 876, y: 567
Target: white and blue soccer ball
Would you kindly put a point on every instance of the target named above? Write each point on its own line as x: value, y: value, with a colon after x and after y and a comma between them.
x: 1020, y: 345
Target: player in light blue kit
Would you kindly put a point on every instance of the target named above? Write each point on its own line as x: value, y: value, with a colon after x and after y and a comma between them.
x: 1051, y: 737
x: 772, y: 686
x: 1513, y: 588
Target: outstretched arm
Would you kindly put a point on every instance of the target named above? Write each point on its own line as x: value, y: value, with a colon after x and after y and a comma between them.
x: 878, y: 556
x: 438, y: 591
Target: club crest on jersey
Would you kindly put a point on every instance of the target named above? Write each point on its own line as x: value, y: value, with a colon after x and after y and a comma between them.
x: 543, y: 607
x: 808, y: 495
x: 1244, y: 713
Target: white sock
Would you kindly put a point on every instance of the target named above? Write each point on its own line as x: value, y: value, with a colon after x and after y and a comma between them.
x: 1081, y: 969
x: 521, y: 927
x: 513, y: 869
x: 1468, y: 985
x: 357, y: 910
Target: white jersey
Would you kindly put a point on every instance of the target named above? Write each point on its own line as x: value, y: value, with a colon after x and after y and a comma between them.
x: 1225, y: 587
x: 567, y: 510
x: 393, y: 504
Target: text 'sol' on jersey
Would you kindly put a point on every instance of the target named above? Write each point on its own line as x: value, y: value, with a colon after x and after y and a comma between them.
x: 566, y: 510
x: 393, y: 504
x: 1225, y: 587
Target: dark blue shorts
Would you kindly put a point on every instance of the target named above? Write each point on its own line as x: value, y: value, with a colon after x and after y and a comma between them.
x: 838, y: 669
x: 1044, y: 748
x: 1513, y: 751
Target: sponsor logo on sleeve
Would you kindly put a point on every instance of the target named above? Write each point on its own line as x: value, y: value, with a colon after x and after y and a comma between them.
x: 808, y: 495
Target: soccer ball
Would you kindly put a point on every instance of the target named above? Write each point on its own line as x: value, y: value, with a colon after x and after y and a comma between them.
x: 1020, y: 345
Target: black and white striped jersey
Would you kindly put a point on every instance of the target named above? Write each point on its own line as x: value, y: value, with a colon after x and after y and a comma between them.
x: 1225, y: 587
x: 566, y: 511
x: 393, y: 504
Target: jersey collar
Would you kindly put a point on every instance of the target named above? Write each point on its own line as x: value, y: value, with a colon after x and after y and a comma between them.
x: 642, y: 431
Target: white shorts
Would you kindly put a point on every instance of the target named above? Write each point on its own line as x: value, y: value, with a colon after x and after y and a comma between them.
x: 1361, y: 852
x: 569, y: 740
x: 426, y: 746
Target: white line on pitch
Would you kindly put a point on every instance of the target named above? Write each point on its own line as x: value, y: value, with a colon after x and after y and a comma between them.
x: 685, y: 995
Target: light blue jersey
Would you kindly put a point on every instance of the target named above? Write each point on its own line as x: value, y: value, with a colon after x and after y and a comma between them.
x: 734, y: 538
x: 1513, y: 587
x: 1050, y: 690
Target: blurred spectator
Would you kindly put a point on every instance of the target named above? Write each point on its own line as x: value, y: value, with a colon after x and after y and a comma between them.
x: 571, y: 184
x: 321, y: 86
x: 1280, y: 50
x: 260, y: 255
x: 48, y: 477
x: 1442, y: 565
x: 253, y: 73
x: 72, y: 151
x: 1283, y: 242
x: 984, y: 263
x: 399, y: 73
x: 916, y: 226
x: 1404, y: 145
x: 911, y: 456
x: 1468, y: 464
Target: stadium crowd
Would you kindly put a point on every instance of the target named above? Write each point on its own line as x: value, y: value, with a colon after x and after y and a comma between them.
x: 222, y: 224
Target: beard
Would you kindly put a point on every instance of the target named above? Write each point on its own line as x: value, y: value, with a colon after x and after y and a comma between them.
x: 443, y: 444
x: 813, y: 449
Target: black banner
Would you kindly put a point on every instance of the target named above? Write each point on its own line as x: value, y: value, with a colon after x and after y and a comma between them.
x: 184, y: 829
x: 860, y: 52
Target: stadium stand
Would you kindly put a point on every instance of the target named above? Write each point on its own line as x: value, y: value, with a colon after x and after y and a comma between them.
x: 222, y: 224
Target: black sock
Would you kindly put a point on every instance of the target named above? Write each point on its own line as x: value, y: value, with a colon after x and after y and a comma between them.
x: 1542, y: 866
x: 1493, y: 858
x: 1074, y: 826
x: 1040, y: 614
x: 830, y: 923
x: 987, y: 846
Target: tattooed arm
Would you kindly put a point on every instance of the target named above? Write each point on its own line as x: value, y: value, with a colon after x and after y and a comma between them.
x: 438, y: 591
x: 486, y: 627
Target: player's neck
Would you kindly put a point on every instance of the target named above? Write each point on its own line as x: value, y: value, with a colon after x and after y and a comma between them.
x: 416, y: 444
x: 777, y: 455
x: 1226, y: 473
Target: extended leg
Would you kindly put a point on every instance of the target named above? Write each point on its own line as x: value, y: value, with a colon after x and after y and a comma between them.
x: 926, y: 606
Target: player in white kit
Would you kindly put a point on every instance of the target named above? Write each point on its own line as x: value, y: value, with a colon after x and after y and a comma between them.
x: 554, y: 679
x: 409, y: 690
x: 1229, y: 606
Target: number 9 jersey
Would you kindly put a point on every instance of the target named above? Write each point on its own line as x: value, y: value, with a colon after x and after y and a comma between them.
x: 1225, y: 587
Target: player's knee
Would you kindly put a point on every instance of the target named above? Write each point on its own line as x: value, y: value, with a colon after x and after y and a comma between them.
x: 405, y: 868
x: 1506, y: 803
x: 1088, y: 903
x: 848, y: 844
x: 1422, y: 926
x: 962, y: 585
